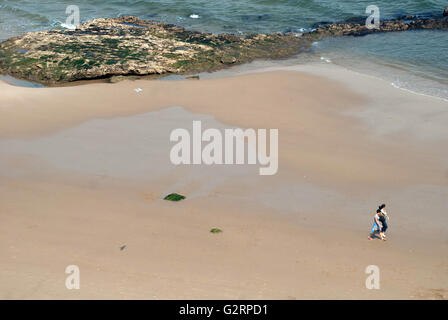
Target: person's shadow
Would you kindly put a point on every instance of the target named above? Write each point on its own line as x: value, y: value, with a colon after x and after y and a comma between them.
x: 376, y: 236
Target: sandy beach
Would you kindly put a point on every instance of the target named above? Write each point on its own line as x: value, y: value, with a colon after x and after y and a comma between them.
x: 84, y: 170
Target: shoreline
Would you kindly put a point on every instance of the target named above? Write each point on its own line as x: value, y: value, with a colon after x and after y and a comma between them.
x: 253, y: 67
x: 300, y: 234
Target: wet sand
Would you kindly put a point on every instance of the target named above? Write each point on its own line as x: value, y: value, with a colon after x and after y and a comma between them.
x: 84, y: 170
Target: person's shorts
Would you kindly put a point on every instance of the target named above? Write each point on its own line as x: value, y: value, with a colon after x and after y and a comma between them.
x: 375, y: 227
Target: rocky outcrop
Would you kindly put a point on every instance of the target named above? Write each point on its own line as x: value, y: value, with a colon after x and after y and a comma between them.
x: 357, y: 27
x: 128, y: 46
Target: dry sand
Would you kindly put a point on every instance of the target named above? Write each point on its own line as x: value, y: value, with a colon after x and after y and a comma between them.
x: 84, y: 170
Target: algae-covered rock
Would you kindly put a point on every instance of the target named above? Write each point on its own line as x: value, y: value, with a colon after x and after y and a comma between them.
x: 174, y: 197
x: 104, y: 48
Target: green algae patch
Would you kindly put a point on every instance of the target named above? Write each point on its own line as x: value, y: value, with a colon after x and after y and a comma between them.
x: 174, y: 197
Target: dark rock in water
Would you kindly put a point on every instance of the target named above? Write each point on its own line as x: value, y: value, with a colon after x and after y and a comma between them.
x: 252, y: 18
x: 445, y: 12
x: 289, y: 30
x: 358, y: 28
x: 320, y: 24
x: 128, y: 46
x: 359, y: 20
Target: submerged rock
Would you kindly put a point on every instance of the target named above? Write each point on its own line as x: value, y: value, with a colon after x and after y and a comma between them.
x: 105, y: 48
x: 357, y: 26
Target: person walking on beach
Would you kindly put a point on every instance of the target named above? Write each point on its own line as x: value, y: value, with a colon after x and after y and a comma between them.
x: 377, y: 225
x: 383, y: 219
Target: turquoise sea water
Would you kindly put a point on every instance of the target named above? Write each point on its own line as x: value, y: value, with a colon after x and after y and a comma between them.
x: 414, y: 60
